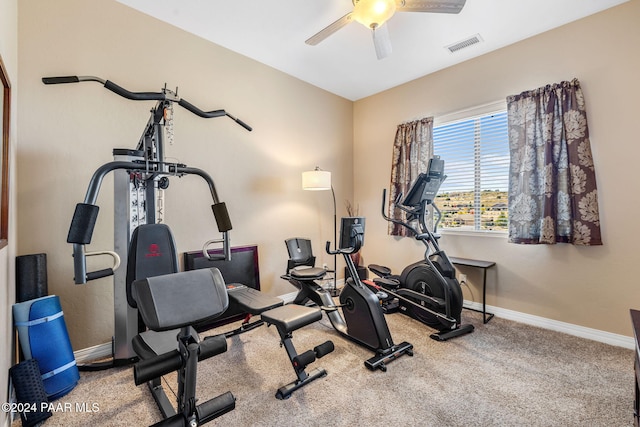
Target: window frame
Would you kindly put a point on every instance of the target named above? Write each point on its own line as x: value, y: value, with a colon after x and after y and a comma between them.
x: 471, y: 113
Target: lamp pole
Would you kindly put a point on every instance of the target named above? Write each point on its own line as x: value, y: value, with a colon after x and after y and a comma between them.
x: 318, y: 179
x: 334, y: 291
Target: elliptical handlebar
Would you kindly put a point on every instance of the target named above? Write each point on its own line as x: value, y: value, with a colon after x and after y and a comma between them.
x: 165, y: 95
x: 394, y: 220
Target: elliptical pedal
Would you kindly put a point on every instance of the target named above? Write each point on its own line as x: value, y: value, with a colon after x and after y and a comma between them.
x: 447, y: 335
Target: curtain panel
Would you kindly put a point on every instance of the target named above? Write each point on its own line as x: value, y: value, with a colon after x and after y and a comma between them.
x: 412, y: 149
x: 553, y: 196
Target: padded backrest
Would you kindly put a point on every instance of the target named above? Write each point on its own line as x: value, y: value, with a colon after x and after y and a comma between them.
x: 300, y: 253
x: 152, y: 252
x: 180, y: 299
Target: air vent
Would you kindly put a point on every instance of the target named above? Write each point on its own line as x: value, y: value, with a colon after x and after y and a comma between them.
x: 470, y: 41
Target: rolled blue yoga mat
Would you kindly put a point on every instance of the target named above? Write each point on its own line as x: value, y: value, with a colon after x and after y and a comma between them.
x: 43, y: 336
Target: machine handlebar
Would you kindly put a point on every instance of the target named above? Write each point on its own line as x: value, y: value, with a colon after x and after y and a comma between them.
x: 393, y: 220
x: 339, y: 250
x: 86, y: 214
x: 165, y: 95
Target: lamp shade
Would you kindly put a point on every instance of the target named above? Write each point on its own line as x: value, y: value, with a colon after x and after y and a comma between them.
x: 316, y: 180
x: 373, y: 13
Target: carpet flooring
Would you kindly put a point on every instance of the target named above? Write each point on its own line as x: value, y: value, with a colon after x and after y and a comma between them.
x: 503, y: 374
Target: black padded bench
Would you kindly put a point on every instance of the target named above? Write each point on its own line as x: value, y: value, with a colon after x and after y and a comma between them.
x: 289, y: 318
x: 248, y: 300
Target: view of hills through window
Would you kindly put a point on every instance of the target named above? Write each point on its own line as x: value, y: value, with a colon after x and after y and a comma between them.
x: 476, y: 154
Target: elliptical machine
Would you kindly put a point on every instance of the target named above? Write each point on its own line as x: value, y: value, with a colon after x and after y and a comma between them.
x: 426, y: 290
x: 362, y: 319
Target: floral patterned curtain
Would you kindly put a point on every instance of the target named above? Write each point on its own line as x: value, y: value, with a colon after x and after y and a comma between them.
x: 412, y: 149
x: 552, y: 186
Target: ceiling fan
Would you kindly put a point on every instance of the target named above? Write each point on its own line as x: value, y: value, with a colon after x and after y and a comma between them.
x: 374, y: 14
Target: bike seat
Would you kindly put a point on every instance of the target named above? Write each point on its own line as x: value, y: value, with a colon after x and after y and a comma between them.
x: 310, y: 273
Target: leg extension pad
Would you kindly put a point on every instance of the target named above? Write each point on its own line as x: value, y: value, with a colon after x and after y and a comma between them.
x: 287, y: 319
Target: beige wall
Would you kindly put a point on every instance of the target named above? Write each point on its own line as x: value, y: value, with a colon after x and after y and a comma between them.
x: 588, y: 286
x: 70, y: 130
x: 9, y: 54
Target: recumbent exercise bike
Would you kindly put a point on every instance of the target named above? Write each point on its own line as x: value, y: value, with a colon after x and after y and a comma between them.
x: 426, y: 290
x: 358, y: 316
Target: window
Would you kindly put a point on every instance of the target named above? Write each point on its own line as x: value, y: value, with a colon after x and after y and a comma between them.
x: 475, y: 147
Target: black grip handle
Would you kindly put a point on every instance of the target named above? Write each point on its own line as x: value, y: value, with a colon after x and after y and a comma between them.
x: 136, y: 96
x: 210, y: 114
x: 329, y: 251
x: 198, y: 112
x: 243, y: 124
x: 99, y: 274
x: 58, y: 80
x: 341, y: 251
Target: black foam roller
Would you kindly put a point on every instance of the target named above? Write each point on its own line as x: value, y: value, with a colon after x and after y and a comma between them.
x: 84, y: 219
x: 212, y: 346
x: 303, y: 360
x: 31, y: 277
x: 148, y: 369
x: 215, y: 407
x: 30, y: 392
x: 324, y: 349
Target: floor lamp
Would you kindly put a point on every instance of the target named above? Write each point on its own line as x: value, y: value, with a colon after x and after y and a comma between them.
x: 319, y: 180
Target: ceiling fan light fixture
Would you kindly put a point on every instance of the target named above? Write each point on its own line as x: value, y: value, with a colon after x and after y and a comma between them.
x: 373, y: 13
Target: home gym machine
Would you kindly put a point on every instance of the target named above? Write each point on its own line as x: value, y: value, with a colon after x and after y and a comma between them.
x: 140, y: 177
x: 426, y: 290
x: 362, y: 319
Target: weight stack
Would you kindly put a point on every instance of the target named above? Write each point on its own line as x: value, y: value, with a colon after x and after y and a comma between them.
x: 31, y: 277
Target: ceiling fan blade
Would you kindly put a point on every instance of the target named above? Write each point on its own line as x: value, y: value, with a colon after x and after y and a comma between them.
x: 432, y: 6
x: 327, y: 31
x: 382, y: 41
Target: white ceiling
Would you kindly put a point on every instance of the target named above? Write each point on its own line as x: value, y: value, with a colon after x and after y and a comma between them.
x: 273, y: 32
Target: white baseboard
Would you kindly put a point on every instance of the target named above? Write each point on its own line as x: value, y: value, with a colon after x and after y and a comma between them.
x: 555, y: 325
x: 102, y: 351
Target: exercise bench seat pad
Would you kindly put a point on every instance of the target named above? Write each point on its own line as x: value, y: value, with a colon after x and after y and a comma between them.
x: 290, y: 317
x: 181, y: 299
x: 251, y: 300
